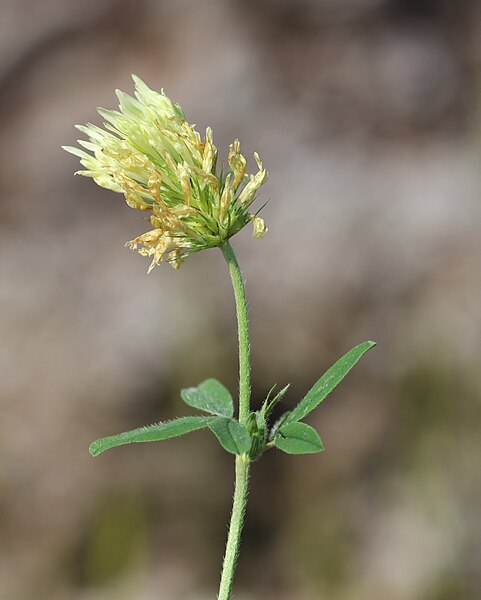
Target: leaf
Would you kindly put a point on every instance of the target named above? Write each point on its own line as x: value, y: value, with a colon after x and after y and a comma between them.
x: 210, y: 396
x: 232, y: 435
x: 328, y: 382
x: 298, y: 438
x: 151, y: 433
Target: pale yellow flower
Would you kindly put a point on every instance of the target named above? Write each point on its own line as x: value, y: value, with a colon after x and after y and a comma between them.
x: 260, y: 228
x: 150, y: 153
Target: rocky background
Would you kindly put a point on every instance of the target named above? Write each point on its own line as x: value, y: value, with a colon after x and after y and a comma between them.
x: 367, y: 115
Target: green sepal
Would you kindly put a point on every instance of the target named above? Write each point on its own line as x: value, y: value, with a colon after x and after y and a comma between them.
x: 328, y: 382
x: 298, y: 438
x: 151, y: 433
x: 232, y: 435
x: 266, y: 401
x: 268, y: 406
x: 278, y: 424
x: 210, y: 396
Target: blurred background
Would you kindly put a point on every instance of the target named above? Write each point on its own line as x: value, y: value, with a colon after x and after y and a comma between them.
x: 367, y: 116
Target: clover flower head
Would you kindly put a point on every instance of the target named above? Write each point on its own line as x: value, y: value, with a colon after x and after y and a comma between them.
x: 150, y: 153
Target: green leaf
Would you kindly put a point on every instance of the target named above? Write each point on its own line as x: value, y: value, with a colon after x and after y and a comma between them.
x: 151, y: 433
x: 328, y: 382
x: 210, y: 396
x: 298, y: 438
x: 232, y: 435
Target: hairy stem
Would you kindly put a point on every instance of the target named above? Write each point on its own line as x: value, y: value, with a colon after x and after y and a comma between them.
x: 235, y: 528
x: 243, y: 329
x: 241, y: 462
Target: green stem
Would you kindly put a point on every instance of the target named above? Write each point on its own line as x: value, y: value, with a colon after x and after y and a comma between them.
x: 241, y: 462
x: 243, y: 329
x: 235, y: 528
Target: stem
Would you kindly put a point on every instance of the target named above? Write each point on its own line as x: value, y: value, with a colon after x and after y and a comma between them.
x: 235, y: 528
x: 241, y: 462
x: 243, y: 328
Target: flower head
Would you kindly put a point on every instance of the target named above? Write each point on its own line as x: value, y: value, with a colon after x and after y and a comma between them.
x: 151, y: 154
